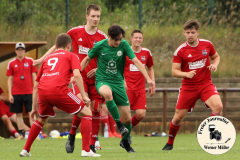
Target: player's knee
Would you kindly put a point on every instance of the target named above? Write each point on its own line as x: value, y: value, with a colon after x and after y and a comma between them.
x: 141, y: 115
x: 218, y: 107
x: 127, y: 121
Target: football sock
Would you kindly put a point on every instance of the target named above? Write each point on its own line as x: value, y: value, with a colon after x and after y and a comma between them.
x: 112, y: 123
x: 113, y: 109
x: 135, y: 120
x: 215, y: 114
x: 86, y: 129
x: 21, y: 131
x: 15, y: 133
x: 129, y: 127
x: 75, y: 123
x: 33, y: 133
x: 95, y: 127
x: 172, y: 133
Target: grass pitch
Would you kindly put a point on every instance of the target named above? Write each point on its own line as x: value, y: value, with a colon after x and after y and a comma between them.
x: 147, y: 148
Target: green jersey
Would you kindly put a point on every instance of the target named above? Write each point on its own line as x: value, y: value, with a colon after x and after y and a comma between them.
x: 111, y: 60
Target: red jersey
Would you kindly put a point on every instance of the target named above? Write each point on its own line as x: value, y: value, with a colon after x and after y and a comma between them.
x: 82, y: 42
x: 55, y: 72
x: 195, y: 58
x: 18, y: 69
x: 2, y: 104
x: 133, y: 77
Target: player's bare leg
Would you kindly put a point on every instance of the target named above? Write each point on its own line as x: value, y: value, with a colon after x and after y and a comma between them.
x: 215, y: 103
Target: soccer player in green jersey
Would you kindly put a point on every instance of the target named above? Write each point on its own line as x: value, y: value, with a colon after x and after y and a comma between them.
x: 111, y: 55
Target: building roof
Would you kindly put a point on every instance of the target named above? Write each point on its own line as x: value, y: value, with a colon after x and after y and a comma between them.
x: 7, y: 49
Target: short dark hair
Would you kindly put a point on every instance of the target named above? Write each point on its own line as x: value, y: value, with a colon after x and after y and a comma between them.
x: 136, y: 31
x: 115, y: 30
x: 92, y: 7
x: 191, y: 24
x: 63, y: 40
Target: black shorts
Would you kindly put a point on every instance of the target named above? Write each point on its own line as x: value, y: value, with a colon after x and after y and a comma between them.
x: 19, y: 100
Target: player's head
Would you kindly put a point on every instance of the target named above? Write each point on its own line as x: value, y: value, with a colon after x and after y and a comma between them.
x: 191, y: 31
x: 93, y: 13
x: 63, y: 41
x: 136, y: 37
x: 116, y: 34
x: 20, y: 50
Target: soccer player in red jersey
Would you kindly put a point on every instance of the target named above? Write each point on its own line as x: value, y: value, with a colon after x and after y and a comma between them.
x: 191, y: 62
x: 7, y: 117
x: 135, y: 81
x: 21, y: 75
x: 83, y: 39
x: 52, y: 90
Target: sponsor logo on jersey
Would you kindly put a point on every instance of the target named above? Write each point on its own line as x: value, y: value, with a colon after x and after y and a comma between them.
x: 189, y: 55
x: 204, y: 52
x: 95, y: 42
x: 112, y: 67
x: 119, y: 53
x: 143, y: 58
x: 26, y: 64
x: 83, y: 50
x: 80, y: 39
x: 104, y: 54
x: 197, y: 64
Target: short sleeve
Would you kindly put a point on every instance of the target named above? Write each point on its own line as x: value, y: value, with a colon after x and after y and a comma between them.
x: 128, y: 50
x: 9, y: 69
x: 94, y: 51
x: 75, y: 63
x: 177, y: 57
x: 149, y: 60
x: 212, y: 49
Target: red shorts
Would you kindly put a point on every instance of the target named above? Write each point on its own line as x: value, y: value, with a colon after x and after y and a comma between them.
x: 65, y: 101
x: 137, y: 100
x: 188, y: 97
x: 5, y: 110
x: 90, y: 89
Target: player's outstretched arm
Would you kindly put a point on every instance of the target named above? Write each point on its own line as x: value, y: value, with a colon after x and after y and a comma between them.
x: 85, y: 62
x: 51, y: 50
x: 34, y: 111
x: 79, y: 82
x: 141, y: 68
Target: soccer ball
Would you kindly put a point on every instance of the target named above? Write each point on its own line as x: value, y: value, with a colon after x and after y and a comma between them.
x: 54, y: 134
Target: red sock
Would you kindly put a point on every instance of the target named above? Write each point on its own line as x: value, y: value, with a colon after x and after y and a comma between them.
x: 13, y: 133
x: 34, y: 131
x: 86, y: 129
x: 75, y: 123
x: 172, y: 133
x: 135, y: 120
x: 95, y: 127
x: 215, y: 114
x: 112, y: 123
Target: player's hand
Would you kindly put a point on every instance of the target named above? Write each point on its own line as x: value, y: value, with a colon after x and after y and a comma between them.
x: 92, y: 73
x: 152, y: 87
x: 191, y: 74
x: 37, y: 62
x: 212, y: 67
x: 152, y: 90
x: 86, y: 100
x: 72, y: 80
x: 33, y: 114
x: 11, y: 99
x: 125, y: 85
